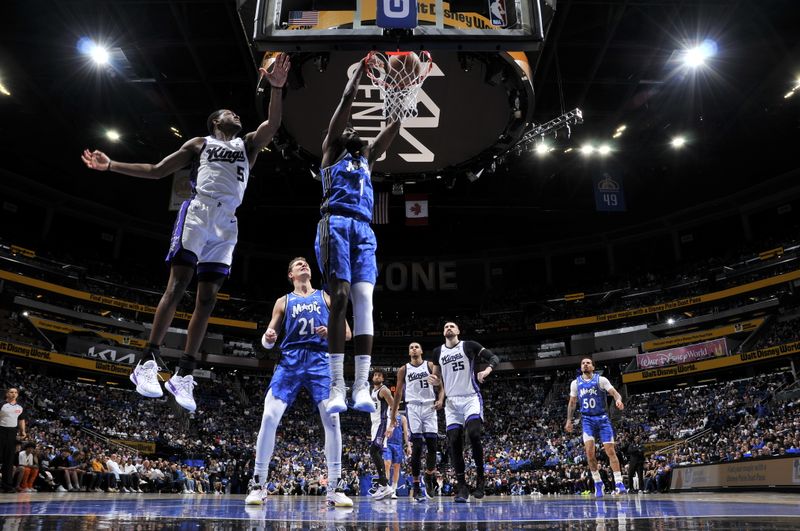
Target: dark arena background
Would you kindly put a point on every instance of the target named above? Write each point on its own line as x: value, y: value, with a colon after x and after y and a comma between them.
x: 611, y: 179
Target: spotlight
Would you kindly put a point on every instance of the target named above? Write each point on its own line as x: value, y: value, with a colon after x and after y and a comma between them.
x: 4, y: 91
x: 25, y: 314
x: 587, y: 149
x: 568, y: 150
x: 541, y: 149
x: 678, y: 142
x: 113, y: 135
x: 697, y: 56
x: 670, y: 321
x: 617, y: 134
x: 604, y: 150
x: 99, y: 54
x: 621, y: 128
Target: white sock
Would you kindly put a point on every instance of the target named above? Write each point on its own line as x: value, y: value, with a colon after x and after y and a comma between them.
x: 333, y: 445
x: 596, y: 477
x: 265, y: 444
x: 394, y: 485
x: 363, y: 363
x: 617, y: 477
x: 337, y: 371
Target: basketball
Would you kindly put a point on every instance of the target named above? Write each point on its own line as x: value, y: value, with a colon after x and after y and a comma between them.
x: 404, y: 68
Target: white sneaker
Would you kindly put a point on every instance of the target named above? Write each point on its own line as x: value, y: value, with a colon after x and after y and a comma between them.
x: 335, y: 403
x: 145, y: 378
x: 394, y: 494
x: 338, y: 499
x: 382, y: 492
x: 182, y: 387
x: 61, y: 489
x: 362, y: 401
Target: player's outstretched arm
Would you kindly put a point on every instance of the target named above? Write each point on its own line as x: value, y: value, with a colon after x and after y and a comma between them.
x: 261, y: 137
x: 342, y: 112
x: 383, y: 141
x: 271, y: 335
x: 97, y: 160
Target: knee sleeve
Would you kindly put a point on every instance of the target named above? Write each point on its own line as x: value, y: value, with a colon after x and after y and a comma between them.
x: 265, y: 444
x: 416, y: 458
x: 361, y: 295
x: 474, y: 430
x: 430, y: 456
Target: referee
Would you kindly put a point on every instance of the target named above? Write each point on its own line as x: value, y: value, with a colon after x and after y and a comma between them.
x: 9, y: 422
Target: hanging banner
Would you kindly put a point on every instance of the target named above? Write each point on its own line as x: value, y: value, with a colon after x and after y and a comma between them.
x: 608, y: 193
x: 689, y: 353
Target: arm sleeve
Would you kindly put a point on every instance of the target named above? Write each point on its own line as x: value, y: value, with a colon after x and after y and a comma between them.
x: 476, y: 350
x: 573, y: 388
x: 604, y: 384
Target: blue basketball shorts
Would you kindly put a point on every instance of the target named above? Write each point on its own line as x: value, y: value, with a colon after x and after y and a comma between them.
x: 394, y: 453
x: 345, y: 249
x: 302, y: 368
x: 597, y: 427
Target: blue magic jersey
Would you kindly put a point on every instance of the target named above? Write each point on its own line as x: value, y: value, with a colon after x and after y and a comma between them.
x: 301, y: 316
x: 347, y: 188
x: 592, y: 395
x: 397, y: 434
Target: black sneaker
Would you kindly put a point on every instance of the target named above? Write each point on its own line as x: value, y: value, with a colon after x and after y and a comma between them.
x: 430, y: 486
x: 417, y: 494
x: 462, y: 493
x: 479, y: 488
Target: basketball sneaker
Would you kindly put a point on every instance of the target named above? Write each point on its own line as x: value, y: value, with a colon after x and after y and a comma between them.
x: 382, y: 492
x: 621, y: 488
x: 598, y: 489
x: 257, y: 494
x: 337, y: 498
x: 417, y: 493
x: 478, y: 493
x: 362, y: 401
x: 462, y: 493
x: 145, y: 378
x: 336, y: 401
x: 182, y: 388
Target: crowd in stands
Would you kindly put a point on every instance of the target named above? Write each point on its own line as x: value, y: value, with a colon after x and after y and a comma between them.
x: 527, y: 450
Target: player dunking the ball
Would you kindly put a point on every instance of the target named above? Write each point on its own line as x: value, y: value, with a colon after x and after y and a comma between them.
x: 205, y: 231
x: 591, y: 390
x: 302, y: 316
x: 464, y: 410
x: 412, y: 381
x: 345, y: 244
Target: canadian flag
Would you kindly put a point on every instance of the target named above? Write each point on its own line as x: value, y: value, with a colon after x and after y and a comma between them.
x: 416, y: 209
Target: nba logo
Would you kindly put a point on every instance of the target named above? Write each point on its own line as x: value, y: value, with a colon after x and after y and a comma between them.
x: 397, y: 14
x: 497, y: 13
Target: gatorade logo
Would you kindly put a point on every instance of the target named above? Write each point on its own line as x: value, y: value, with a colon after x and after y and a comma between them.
x: 396, y: 8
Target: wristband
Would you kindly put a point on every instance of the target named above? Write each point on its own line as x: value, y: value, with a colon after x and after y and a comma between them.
x: 267, y: 344
x: 108, y: 168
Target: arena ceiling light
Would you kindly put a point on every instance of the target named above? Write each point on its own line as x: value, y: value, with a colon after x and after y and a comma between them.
x: 98, y: 53
x: 678, y: 142
x: 789, y: 94
x: 670, y: 321
x: 113, y: 135
x: 3, y: 90
x: 587, y: 149
x: 697, y: 56
x: 175, y: 131
x: 542, y: 149
x: 604, y: 150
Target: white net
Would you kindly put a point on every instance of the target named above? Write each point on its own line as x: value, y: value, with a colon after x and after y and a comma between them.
x: 399, y: 76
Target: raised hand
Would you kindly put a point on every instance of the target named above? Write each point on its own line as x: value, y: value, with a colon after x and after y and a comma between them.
x: 96, y: 160
x: 280, y: 70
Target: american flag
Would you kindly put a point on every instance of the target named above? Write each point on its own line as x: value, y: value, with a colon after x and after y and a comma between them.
x: 380, y: 210
x: 303, y: 18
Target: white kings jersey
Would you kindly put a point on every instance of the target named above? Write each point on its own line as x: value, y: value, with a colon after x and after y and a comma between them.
x: 417, y: 388
x: 457, y: 366
x: 381, y: 412
x: 222, y: 171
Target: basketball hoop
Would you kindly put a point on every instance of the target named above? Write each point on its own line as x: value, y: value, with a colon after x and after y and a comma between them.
x: 399, y: 76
